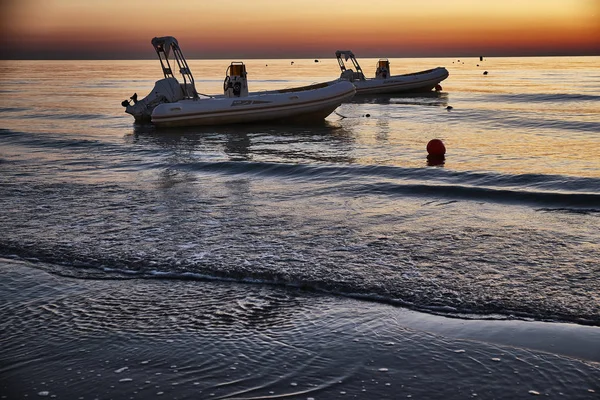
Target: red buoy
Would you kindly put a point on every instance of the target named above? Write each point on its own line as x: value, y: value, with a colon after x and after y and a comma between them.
x: 436, y: 147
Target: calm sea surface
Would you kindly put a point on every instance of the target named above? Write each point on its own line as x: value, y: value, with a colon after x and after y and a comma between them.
x: 279, y: 233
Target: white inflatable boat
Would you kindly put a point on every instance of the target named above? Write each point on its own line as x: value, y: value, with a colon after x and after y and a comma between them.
x: 175, y: 103
x: 384, y: 82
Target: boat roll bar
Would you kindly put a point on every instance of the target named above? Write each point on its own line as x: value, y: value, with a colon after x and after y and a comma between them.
x: 348, y: 55
x: 165, y: 46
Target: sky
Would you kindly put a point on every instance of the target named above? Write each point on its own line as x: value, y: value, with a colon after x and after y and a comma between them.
x: 213, y: 29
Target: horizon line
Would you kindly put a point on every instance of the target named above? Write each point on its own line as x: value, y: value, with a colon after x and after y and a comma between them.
x: 117, y: 58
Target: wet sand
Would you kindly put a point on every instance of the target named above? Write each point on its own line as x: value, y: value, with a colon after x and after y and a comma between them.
x: 133, y: 338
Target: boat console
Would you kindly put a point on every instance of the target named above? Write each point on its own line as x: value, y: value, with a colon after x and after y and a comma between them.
x: 383, y: 69
x: 236, y: 81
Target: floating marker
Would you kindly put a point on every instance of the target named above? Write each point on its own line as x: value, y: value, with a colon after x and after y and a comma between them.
x: 436, y: 147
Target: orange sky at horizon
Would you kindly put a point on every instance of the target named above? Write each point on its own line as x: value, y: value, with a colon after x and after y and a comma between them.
x: 295, y: 28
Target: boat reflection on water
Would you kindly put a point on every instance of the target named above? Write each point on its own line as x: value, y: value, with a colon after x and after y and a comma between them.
x: 324, y: 141
x: 433, y: 99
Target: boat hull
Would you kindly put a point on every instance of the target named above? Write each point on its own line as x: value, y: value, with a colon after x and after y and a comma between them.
x: 415, y: 82
x: 299, y: 104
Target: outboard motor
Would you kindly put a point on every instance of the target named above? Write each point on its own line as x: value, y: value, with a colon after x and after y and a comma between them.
x: 166, y: 90
x: 383, y: 69
x: 236, y: 82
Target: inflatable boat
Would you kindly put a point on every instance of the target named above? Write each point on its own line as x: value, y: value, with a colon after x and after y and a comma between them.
x: 384, y: 83
x: 177, y: 103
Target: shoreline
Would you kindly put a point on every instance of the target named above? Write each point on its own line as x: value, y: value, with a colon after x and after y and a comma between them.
x: 561, y: 337
x: 191, y: 339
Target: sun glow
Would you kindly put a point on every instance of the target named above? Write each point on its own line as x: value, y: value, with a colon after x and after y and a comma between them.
x: 301, y: 28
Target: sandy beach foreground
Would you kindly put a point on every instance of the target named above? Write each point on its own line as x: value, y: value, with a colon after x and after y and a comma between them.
x: 132, y: 338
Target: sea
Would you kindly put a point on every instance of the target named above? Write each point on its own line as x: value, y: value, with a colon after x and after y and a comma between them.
x: 302, y: 261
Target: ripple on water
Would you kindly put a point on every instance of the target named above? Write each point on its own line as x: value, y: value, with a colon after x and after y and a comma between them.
x: 294, y: 344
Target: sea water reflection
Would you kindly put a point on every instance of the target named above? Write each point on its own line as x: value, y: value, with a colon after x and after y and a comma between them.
x: 325, y: 142
x: 432, y: 99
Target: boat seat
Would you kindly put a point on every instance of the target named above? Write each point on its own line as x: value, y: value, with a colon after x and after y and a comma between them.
x: 170, y: 88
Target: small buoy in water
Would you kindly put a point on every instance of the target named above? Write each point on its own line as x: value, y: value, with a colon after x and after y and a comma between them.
x: 485, y: 72
x: 367, y: 115
x: 438, y: 88
x: 436, y: 147
x: 449, y: 108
